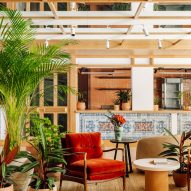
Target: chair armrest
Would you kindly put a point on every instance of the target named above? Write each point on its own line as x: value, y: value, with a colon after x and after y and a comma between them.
x: 85, y: 163
x: 115, y: 149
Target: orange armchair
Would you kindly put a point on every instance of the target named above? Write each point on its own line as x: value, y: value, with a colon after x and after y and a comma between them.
x: 85, y: 163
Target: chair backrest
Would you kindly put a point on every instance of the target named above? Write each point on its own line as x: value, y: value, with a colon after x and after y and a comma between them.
x: 84, y: 142
x: 151, y: 147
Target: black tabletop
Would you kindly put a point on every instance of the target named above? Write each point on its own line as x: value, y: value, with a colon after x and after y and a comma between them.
x: 124, y: 140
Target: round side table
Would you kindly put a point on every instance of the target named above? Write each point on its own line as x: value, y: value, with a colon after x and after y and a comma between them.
x: 156, y: 175
x: 126, y: 142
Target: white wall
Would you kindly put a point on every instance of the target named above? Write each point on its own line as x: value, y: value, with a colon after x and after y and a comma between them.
x: 142, y: 88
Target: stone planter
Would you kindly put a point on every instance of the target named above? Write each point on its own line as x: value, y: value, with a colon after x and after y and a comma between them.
x: 9, y: 188
x: 116, y: 107
x: 118, y: 133
x: 180, y: 179
x: 81, y: 106
x: 126, y: 106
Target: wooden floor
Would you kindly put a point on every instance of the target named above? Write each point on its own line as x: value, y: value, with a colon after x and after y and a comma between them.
x: 134, y: 183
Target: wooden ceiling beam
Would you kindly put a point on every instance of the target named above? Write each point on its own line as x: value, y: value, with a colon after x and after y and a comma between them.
x: 54, y: 12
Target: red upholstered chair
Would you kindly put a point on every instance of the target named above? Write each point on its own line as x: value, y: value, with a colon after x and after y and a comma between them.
x: 85, y: 163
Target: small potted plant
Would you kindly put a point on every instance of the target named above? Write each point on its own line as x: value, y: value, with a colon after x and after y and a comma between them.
x: 186, y: 100
x: 118, y: 121
x: 124, y: 96
x: 48, y: 158
x: 81, y: 105
x: 156, y: 103
x: 178, y: 152
x: 116, y: 103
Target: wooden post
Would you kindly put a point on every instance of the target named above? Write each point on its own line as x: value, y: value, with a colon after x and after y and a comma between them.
x: 72, y: 101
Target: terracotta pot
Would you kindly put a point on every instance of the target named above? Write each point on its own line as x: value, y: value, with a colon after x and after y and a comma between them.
x: 9, y: 188
x: 180, y: 179
x: 116, y: 107
x: 81, y: 106
x: 126, y: 106
x: 32, y: 189
x: 156, y: 107
x: 186, y: 107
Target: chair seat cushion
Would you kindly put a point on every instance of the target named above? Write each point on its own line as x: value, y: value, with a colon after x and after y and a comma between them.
x: 98, y: 169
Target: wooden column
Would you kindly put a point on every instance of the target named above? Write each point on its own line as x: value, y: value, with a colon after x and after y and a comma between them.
x: 72, y: 98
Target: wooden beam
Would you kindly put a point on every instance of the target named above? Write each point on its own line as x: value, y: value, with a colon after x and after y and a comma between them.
x: 54, y: 11
x: 138, y: 12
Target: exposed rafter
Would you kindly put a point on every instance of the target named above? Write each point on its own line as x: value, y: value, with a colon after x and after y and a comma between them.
x: 54, y: 12
x: 139, y: 9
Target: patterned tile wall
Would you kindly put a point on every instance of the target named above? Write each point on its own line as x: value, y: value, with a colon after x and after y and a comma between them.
x: 184, y: 122
x: 137, y: 125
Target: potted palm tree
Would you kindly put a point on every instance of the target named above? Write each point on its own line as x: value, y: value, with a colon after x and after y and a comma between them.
x: 178, y: 152
x: 48, y: 159
x: 23, y: 64
x: 124, y: 96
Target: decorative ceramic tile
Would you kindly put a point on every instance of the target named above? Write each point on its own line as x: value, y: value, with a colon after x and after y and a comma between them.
x: 184, y: 122
x: 137, y: 125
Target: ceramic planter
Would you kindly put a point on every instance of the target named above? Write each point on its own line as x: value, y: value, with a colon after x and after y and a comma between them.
x: 126, y: 106
x: 9, y: 188
x: 81, y: 106
x: 118, y: 133
x: 116, y: 107
x: 180, y: 179
x: 21, y: 180
x: 156, y: 107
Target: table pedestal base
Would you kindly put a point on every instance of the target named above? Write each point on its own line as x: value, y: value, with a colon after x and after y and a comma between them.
x: 156, y: 181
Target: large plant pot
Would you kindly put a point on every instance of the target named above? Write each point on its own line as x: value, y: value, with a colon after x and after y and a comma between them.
x: 21, y: 180
x: 116, y: 107
x: 118, y: 133
x: 81, y: 106
x: 9, y: 188
x: 126, y: 106
x: 180, y: 179
x: 32, y: 189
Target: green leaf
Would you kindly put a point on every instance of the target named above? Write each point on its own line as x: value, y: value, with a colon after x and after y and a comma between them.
x: 29, y: 166
x: 3, y: 168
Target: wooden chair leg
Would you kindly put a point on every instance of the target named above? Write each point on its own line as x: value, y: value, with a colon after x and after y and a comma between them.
x: 124, y: 183
x: 85, y: 186
x: 60, y: 187
x: 188, y: 181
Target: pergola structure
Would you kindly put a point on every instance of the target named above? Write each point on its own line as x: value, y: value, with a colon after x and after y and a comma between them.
x: 155, y: 29
x: 142, y: 36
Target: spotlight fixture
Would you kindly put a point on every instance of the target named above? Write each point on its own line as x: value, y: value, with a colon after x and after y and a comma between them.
x: 107, y: 44
x: 159, y: 43
x: 145, y: 30
x: 46, y: 43
x: 73, y: 31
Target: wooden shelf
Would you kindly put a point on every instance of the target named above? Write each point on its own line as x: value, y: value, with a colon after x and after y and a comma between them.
x: 112, y: 88
x: 113, y: 77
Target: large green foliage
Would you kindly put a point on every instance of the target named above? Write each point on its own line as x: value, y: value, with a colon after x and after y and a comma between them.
x: 177, y: 151
x: 23, y: 64
x: 49, y: 154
